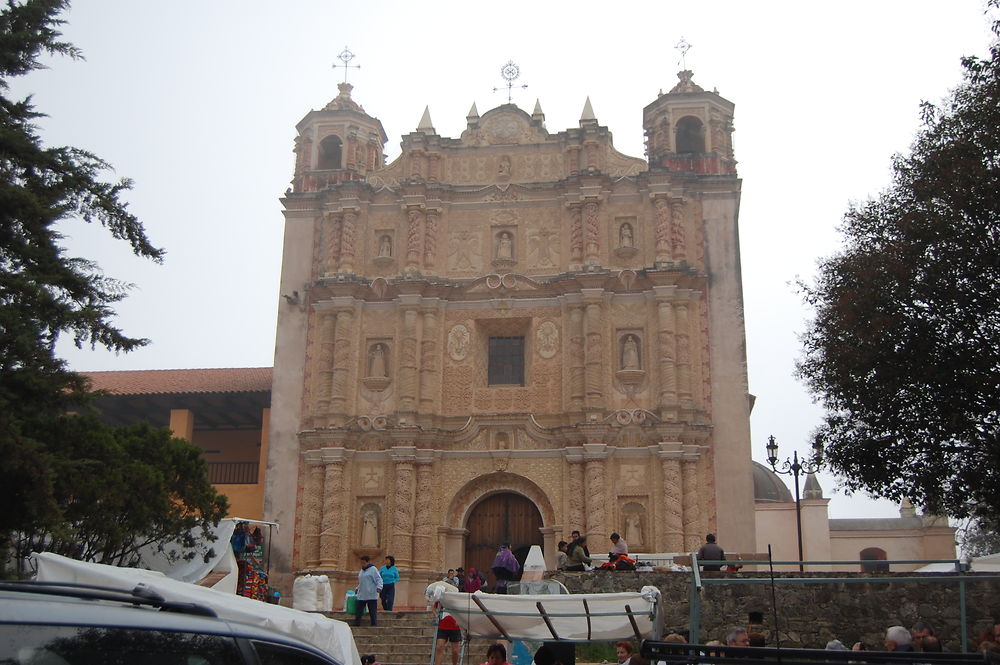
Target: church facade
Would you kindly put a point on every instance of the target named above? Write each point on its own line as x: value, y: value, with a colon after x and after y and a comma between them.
x: 507, y: 336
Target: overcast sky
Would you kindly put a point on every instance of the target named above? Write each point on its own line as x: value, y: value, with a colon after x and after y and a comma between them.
x: 197, y: 102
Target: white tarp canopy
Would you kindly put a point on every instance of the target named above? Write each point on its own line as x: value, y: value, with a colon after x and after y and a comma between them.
x: 328, y: 635
x: 570, y: 617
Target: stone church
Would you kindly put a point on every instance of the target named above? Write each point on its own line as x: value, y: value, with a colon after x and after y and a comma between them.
x: 506, y: 336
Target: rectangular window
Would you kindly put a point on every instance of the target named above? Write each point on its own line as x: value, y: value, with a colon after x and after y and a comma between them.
x: 506, y: 361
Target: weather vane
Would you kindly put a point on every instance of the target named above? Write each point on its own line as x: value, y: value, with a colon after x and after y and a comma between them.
x: 345, y: 57
x: 510, y: 72
x: 683, y: 46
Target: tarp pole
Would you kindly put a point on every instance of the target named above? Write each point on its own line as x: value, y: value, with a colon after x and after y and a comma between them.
x: 631, y: 620
x: 489, y: 616
x: 545, y: 617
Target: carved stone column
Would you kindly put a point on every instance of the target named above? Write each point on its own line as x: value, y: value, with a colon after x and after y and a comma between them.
x: 683, y: 353
x: 430, y: 356
x: 575, y: 235
x: 324, y: 364
x: 594, y: 355
x: 573, y: 160
x: 592, y: 232
x: 343, y: 348
x: 332, y: 229
x: 434, y: 167
x: 402, y: 515
x: 667, y: 350
x: 576, y: 357
x: 673, y: 523
x: 413, y: 224
x: 678, y: 233
x: 594, y: 487
x: 576, y: 494
x: 691, y: 502
x: 408, y: 362
x: 312, y: 516
x: 662, y: 207
x: 424, y: 520
x: 430, y: 238
x: 334, y: 534
x: 348, y: 241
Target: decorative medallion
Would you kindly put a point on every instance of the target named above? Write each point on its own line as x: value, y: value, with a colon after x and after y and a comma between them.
x: 458, y: 342
x: 548, y: 339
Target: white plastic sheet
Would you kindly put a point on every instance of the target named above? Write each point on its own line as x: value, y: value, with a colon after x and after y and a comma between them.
x: 575, y: 617
x: 328, y: 635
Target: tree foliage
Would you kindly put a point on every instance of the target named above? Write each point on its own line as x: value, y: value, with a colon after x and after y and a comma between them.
x: 904, y: 348
x: 115, y: 490
x: 62, y: 477
x: 979, y: 537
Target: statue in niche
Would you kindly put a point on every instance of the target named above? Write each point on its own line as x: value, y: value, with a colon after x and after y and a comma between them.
x: 376, y: 361
x: 630, y: 353
x: 625, y: 236
x: 504, y: 169
x: 385, y: 247
x: 369, y: 528
x: 633, y: 529
x: 505, y: 247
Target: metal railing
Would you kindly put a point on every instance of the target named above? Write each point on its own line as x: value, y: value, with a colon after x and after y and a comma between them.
x: 959, y: 577
x: 233, y: 473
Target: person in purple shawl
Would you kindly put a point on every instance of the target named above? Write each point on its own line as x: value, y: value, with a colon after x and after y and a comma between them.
x: 505, y: 567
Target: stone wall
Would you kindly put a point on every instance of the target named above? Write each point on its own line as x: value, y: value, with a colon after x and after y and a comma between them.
x: 811, y: 614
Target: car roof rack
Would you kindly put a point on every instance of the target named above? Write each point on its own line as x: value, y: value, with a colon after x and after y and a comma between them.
x: 141, y: 594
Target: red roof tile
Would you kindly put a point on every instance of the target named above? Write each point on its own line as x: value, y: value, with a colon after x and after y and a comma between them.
x: 173, y: 381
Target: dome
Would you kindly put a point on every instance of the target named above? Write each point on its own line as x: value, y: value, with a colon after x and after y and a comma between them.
x: 767, y: 486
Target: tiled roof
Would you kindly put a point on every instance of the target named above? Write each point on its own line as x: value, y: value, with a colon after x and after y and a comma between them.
x: 178, y: 381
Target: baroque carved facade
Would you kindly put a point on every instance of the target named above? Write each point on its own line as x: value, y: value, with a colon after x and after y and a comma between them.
x: 511, y: 314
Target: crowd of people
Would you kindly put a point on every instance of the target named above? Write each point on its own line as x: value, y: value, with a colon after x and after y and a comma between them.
x: 575, y: 555
x: 506, y: 569
x: 920, y: 638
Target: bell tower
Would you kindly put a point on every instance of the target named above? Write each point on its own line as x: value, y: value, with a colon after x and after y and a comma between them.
x: 689, y: 129
x: 338, y: 143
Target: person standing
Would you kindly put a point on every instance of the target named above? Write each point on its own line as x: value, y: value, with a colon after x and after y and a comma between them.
x: 369, y: 586
x: 711, y: 551
x: 390, y: 575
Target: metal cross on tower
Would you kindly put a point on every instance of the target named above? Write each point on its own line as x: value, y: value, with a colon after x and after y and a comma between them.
x: 683, y: 46
x: 510, y: 72
x: 345, y: 57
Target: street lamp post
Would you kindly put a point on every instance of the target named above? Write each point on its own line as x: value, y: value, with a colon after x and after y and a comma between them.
x: 794, y: 468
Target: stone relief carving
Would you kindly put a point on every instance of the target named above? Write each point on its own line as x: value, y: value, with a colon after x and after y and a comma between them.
x: 459, y: 338
x: 505, y: 247
x: 371, y: 479
x: 543, y: 248
x: 464, y: 251
x: 547, y: 336
x: 369, y: 526
x: 631, y: 475
x: 630, y: 353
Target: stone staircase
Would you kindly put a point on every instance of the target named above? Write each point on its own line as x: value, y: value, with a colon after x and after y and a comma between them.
x: 405, y: 638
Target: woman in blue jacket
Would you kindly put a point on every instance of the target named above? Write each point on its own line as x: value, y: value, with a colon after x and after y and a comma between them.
x: 390, y: 575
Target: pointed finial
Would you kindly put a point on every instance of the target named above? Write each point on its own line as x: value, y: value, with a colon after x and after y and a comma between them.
x: 473, y: 112
x: 588, y: 117
x: 425, y: 125
x: 538, y: 109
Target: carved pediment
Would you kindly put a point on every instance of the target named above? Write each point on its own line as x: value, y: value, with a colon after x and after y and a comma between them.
x: 505, y: 125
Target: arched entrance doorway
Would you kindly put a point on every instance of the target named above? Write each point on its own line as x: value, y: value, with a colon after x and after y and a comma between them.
x: 499, y: 518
